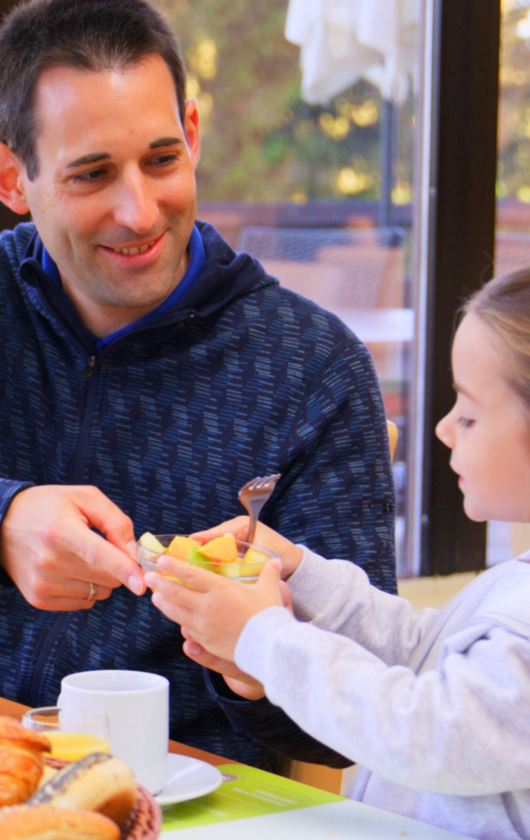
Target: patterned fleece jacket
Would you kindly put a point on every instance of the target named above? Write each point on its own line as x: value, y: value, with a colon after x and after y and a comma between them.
x: 240, y: 378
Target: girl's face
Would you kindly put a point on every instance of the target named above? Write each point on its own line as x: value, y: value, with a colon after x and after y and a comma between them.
x: 488, y: 429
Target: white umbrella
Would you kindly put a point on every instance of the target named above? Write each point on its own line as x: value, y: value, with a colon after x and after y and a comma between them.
x: 344, y: 40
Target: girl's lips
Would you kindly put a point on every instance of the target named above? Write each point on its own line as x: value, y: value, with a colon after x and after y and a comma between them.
x: 136, y: 260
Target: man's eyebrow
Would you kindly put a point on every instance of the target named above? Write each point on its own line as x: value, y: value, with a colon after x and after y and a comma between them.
x: 94, y: 158
x: 164, y: 141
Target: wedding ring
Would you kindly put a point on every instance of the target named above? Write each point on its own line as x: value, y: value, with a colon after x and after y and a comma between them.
x: 93, y: 593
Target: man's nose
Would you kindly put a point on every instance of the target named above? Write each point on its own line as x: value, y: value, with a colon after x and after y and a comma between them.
x: 135, y: 204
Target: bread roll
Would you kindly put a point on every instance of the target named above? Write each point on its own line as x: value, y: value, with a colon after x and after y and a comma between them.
x: 21, y: 761
x: 52, y: 824
x: 98, y: 782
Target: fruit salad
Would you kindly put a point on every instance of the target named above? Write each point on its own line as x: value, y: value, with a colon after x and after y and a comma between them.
x: 223, y: 555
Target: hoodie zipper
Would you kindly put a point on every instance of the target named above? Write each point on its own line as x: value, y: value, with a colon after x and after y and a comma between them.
x: 87, y: 413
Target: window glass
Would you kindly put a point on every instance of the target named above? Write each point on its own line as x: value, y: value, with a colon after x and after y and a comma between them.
x: 316, y: 180
x: 512, y: 236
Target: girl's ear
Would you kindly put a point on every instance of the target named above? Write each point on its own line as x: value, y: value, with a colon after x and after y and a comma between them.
x: 11, y: 191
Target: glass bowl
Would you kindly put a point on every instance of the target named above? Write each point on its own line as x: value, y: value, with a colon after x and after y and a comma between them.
x: 243, y: 570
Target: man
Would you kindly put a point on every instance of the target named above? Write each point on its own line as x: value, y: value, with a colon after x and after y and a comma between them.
x: 147, y: 373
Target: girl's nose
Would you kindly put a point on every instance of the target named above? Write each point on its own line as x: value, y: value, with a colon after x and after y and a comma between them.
x: 445, y: 430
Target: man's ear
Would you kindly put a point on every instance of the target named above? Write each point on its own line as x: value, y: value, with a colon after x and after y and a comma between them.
x: 11, y: 191
x: 191, y: 130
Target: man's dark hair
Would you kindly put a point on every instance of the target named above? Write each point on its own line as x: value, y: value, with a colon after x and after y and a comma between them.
x: 85, y: 34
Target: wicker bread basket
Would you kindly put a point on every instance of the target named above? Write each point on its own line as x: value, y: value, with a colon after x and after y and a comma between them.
x: 146, y: 819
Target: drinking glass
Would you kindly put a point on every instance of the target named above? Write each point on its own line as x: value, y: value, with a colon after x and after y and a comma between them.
x: 74, y: 733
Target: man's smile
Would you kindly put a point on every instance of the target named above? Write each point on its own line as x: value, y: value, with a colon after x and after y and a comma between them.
x: 137, y: 248
x: 137, y: 254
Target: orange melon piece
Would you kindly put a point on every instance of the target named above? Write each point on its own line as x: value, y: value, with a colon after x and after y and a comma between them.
x: 180, y: 547
x: 222, y: 548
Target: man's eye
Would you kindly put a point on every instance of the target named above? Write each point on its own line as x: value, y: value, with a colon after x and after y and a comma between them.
x: 164, y: 160
x: 465, y: 422
x: 89, y: 177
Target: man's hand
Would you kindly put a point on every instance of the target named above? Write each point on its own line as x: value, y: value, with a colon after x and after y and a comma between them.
x: 213, y: 609
x: 289, y: 553
x: 49, y: 551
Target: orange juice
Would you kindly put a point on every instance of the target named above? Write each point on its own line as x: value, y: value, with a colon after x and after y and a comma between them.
x: 71, y: 746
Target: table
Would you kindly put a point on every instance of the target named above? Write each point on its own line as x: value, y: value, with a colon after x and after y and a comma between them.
x: 16, y: 710
x: 333, y: 817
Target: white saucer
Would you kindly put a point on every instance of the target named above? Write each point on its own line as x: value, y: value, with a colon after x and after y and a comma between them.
x: 187, y: 778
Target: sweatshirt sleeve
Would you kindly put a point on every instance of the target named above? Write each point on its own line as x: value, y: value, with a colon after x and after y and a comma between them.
x: 457, y: 729
x: 336, y: 595
x: 338, y: 495
x: 269, y: 725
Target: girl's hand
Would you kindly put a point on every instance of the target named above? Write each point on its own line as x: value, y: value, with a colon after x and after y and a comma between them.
x: 213, y: 609
x: 237, y: 681
x: 290, y: 554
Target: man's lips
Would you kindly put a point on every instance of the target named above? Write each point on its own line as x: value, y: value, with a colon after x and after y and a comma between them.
x: 136, y: 255
x: 134, y: 248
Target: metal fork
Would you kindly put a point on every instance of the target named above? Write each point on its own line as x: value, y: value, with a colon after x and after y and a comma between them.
x: 253, y: 496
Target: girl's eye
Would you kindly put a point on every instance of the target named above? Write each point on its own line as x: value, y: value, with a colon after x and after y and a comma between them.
x: 465, y: 422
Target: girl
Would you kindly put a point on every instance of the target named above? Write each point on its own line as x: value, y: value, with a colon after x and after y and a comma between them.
x: 435, y: 706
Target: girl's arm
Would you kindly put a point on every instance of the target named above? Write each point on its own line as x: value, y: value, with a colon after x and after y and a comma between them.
x: 457, y: 729
x: 337, y: 595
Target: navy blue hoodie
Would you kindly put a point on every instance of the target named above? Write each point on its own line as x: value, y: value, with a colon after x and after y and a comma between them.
x: 240, y: 378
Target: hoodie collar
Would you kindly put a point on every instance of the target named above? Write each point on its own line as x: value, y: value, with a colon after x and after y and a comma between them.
x: 216, y: 276
x: 55, y: 291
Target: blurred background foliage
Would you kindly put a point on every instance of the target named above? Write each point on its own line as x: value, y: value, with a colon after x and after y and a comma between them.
x: 261, y: 141
x: 513, y: 181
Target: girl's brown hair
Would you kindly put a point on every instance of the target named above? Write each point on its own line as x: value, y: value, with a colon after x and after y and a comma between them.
x: 503, y: 305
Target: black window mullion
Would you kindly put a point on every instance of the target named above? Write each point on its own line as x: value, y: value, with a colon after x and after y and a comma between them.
x: 464, y: 230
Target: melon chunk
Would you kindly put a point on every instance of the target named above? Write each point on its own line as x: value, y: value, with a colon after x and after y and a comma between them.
x: 150, y: 542
x: 180, y: 547
x: 255, y: 556
x: 196, y: 558
x: 223, y: 549
x: 231, y: 570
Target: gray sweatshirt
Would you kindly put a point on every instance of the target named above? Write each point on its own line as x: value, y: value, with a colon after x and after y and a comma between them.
x: 435, y: 706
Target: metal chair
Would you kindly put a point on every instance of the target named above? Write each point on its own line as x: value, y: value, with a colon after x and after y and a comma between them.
x: 338, y: 269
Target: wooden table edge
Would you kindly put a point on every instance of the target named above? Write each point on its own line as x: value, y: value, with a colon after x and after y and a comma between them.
x: 16, y: 710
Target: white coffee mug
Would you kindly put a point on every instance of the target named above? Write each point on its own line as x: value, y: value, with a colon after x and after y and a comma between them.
x: 137, y: 704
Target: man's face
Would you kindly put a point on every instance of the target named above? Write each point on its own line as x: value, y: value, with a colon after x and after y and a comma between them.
x: 114, y: 201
